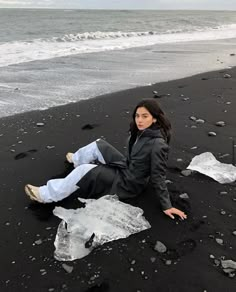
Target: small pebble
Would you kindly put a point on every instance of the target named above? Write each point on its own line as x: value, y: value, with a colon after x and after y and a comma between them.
x: 219, y: 241
x: 228, y: 264
x: 167, y: 181
x: 200, y: 121
x: 211, y: 134
x: 217, y: 262
x: 67, y: 268
x: 192, y: 118
x: 184, y: 196
x: 50, y: 147
x: 40, y: 124
x: 220, y: 124
x: 186, y: 172
x: 160, y: 247
x: 224, y: 155
x: 234, y: 233
x: 38, y: 242
x: 153, y: 259
x: 223, y: 193
x: 227, y: 76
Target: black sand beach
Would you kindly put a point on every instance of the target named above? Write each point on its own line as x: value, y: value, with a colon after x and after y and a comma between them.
x: 33, y: 154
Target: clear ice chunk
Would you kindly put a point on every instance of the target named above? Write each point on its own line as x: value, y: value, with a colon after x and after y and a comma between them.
x: 207, y: 164
x: 102, y: 220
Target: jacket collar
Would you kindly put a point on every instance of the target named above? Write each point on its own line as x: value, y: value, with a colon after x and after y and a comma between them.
x: 143, y: 137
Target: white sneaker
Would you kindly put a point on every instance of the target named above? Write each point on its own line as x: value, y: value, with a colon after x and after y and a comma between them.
x: 69, y: 157
x: 33, y: 193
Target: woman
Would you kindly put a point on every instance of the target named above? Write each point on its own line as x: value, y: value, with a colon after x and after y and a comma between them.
x: 101, y: 169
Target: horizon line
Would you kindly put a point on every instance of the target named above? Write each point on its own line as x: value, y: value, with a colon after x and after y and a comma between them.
x: 122, y: 9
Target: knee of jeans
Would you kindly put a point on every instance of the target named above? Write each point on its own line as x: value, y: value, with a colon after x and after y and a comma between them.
x: 84, y: 169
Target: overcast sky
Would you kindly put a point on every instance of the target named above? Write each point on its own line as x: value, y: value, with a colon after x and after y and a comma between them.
x: 122, y: 4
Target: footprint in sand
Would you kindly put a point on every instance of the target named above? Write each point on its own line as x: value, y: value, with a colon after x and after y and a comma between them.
x: 89, y: 126
x: 186, y: 246
x: 25, y: 154
x: 183, y: 248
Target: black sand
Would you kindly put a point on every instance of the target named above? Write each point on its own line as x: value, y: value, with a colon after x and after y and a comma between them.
x: 33, y: 154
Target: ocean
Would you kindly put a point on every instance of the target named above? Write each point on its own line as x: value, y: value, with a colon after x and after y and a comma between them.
x: 53, y: 57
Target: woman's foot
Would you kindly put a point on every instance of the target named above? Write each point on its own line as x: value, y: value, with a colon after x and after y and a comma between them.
x: 33, y: 193
x: 69, y: 157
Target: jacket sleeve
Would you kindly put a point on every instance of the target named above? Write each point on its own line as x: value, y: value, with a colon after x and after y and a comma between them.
x: 159, y: 157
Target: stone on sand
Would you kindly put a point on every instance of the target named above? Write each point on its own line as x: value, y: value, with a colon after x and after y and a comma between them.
x: 160, y: 247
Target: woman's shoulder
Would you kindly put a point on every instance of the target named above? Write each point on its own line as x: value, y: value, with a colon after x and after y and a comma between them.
x: 160, y: 143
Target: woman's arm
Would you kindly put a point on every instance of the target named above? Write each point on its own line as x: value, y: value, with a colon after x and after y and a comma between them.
x: 159, y: 157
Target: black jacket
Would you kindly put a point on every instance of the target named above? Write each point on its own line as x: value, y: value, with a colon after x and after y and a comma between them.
x: 128, y: 176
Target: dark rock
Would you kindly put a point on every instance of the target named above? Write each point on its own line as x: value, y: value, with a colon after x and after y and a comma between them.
x: 67, y: 268
x: 200, y: 121
x: 219, y: 241
x: 227, y: 76
x: 220, y: 124
x: 211, y: 134
x: 184, y: 196
x: 223, y: 193
x: 186, y: 172
x: 40, y: 124
x: 160, y: 247
x: 50, y: 147
x: 228, y: 264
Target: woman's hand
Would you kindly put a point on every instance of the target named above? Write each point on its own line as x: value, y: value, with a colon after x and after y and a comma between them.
x: 173, y: 211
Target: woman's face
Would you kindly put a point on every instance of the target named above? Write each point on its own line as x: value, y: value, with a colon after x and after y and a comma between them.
x: 143, y: 118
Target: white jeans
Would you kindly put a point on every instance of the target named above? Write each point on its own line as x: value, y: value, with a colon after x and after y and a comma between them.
x: 58, y: 189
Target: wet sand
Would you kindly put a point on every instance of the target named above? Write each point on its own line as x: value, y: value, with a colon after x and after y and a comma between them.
x: 33, y: 154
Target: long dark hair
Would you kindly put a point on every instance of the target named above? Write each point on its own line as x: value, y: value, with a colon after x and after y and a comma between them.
x: 155, y: 110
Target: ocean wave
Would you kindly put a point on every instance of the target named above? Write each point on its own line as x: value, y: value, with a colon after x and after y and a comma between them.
x: 91, y: 42
x: 101, y: 35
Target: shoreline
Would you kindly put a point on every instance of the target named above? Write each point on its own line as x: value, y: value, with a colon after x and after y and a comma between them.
x: 193, y: 252
x: 45, y: 84
x: 150, y: 87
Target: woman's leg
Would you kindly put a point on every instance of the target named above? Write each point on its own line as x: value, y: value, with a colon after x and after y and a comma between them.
x: 98, y: 150
x: 87, y: 154
x: 58, y: 189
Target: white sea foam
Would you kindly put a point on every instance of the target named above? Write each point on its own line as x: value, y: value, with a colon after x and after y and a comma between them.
x: 41, y: 49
